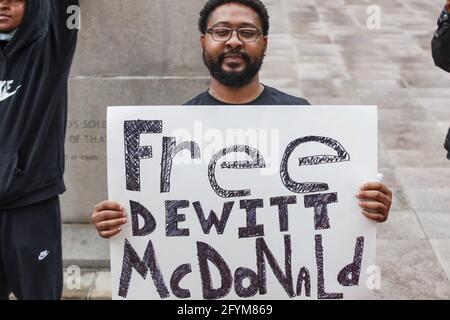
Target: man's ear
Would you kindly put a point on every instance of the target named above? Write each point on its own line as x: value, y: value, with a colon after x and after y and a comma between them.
x: 202, y: 42
x: 266, y: 43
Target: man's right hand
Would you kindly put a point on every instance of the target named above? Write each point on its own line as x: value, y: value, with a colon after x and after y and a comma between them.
x: 108, y: 218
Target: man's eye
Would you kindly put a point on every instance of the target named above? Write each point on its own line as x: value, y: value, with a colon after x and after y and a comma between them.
x: 222, y: 32
x: 248, y: 33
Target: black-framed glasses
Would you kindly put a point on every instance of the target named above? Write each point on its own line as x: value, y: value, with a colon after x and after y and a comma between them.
x: 245, y: 34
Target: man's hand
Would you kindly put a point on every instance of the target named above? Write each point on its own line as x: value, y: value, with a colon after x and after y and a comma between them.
x: 447, y: 5
x: 108, y: 217
x: 376, y: 200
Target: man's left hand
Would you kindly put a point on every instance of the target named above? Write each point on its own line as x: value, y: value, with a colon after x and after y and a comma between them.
x: 376, y: 200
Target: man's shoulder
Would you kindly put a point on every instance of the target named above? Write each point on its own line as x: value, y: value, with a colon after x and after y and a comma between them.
x: 200, y: 99
x: 278, y: 97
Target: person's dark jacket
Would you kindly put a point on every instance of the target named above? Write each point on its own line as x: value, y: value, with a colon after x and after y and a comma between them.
x: 447, y: 144
x: 34, y: 70
x: 441, y: 42
x: 441, y: 54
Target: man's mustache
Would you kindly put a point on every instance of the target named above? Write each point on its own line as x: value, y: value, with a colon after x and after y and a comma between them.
x: 233, y: 53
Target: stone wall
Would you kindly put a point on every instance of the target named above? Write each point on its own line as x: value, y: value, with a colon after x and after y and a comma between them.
x: 130, y: 52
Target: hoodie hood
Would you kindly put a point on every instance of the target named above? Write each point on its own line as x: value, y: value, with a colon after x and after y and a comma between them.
x: 34, y: 25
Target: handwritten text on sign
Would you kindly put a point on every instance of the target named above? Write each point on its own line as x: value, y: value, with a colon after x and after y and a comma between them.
x: 241, y: 202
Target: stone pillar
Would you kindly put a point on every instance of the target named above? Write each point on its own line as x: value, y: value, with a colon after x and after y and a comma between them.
x: 130, y: 52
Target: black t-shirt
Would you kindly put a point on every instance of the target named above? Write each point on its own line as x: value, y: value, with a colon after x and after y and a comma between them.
x: 270, y: 96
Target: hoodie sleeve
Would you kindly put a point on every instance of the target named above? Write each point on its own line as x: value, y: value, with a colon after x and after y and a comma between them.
x: 63, y: 27
x: 441, y: 42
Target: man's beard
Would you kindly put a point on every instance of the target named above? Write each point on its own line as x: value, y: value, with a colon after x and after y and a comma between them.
x: 234, y: 79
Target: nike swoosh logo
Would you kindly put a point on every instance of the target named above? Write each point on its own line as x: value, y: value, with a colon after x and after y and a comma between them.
x: 43, y: 255
x: 6, y: 95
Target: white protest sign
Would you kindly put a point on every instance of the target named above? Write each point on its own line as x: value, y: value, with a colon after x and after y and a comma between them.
x: 242, y: 202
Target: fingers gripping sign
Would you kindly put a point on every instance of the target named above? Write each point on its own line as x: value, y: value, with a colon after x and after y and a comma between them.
x: 375, y: 201
x: 108, y: 218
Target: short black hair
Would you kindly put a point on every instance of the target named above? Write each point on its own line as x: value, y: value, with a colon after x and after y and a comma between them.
x: 212, y: 5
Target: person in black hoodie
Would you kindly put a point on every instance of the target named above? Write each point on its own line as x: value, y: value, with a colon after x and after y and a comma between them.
x: 36, y: 53
x: 441, y: 52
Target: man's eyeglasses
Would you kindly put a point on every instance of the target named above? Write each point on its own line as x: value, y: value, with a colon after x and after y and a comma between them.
x: 223, y: 34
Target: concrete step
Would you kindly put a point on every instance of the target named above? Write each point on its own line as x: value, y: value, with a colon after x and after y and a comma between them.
x: 84, y: 248
x: 87, y: 284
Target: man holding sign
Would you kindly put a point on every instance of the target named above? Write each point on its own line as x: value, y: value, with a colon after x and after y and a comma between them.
x: 235, y: 80
x: 234, y: 37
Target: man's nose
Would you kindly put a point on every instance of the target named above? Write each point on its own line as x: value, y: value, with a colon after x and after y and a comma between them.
x: 234, y: 41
